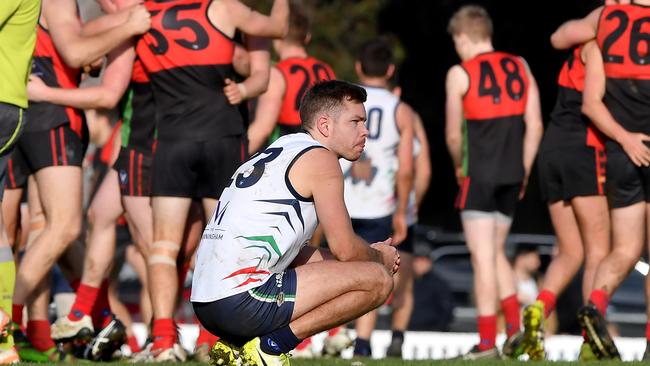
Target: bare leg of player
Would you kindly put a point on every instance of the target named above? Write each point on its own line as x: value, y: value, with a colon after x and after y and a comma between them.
x: 62, y: 227
x: 480, y: 235
x: 402, y: 304
x: 628, y: 234
x: 169, y: 218
x: 592, y: 214
x: 506, y: 278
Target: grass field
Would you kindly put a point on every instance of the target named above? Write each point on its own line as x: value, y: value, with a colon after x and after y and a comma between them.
x: 391, y: 362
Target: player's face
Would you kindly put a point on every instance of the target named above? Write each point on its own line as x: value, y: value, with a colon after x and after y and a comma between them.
x: 349, y: 131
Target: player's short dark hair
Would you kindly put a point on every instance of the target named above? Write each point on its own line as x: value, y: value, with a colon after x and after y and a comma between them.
x: 299, y: 23
x: 375, y: 57
x: 328, y: 96
x: 472, y: 20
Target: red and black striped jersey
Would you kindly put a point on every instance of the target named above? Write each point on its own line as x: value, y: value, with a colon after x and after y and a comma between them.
x: 623, y: 37
x: 494, y: 107
x: 568, y: 126
x: 49, y: 66
x: 188, y: 59
x: 299, y: 75
x: 138, y: 111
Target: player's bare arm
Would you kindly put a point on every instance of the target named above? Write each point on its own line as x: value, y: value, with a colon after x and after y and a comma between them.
x: 256, y: 68
x: 267, y: 111
x: 534, y: 127
x: 576, y: 31
x: 422, y: 162
x: 456, y: 86
x: 229, y: 15
x: 318, y: 174
x: 594, y: 108
x: 104, y: 96
x: 60, y: 17
x: 404, y: 178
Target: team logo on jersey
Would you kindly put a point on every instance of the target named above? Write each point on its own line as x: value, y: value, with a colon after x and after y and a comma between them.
x: 279, y: 298
x: 124, y: 177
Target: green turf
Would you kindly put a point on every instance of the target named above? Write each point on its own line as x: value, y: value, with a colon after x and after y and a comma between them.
x: 391, y: 362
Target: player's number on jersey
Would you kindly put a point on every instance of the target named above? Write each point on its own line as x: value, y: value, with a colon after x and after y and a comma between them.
x: 320, y: 73
x: 488, y: 85
x: 170, y: 20
x: 373, y: 122
x: 638, y: 39
x: 258, y: 168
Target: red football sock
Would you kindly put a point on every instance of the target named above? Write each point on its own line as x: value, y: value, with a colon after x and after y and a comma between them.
x: 600, y: 299
x: 84, y: 302
x: 164, y: 333
x: 510, y: 308
x: 17, y: 313
x: 133, y: 344
x: 206, y: 337
x: 38, y: 333
x: 304, y: 344
x: 549, y: 299
x: 101, y: 310
x: 487, y: 331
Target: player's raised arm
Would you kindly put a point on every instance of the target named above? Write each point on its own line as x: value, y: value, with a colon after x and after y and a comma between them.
x: 78, y: 50
x: 229, y: 15
x: 576, y: 31
x: 456, y: 85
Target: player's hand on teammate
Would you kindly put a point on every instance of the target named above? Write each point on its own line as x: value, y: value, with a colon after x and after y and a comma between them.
x: 400, y: 228
x: 235, y: 92
x: 139, y: 19
x: 390, y: 256
x: 636, y: 148
x: 36, y: 89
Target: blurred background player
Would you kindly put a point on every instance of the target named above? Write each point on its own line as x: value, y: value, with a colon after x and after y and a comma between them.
x: 276, y: 113
x: 493, y: 130
x: 617, y: 100
x: 18, y: 19
x: 571, y: 165
x: 200, y: 134
x: 403, y: 300
x: 53, y: 145
x: 378, y: 185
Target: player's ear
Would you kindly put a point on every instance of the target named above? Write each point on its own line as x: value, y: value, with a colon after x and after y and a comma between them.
x: 323, y: 125
x: 307, y: 38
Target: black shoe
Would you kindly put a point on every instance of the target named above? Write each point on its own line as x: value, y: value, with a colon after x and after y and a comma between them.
x: 106, y: 342
x: 595, y: 326
x: 395, y: 348
x: 362, y: 349
x: 476, y: 354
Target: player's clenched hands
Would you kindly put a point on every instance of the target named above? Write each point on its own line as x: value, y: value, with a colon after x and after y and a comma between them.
x: 139, y: 19
x: 234, y: 92
x: 390, y: 256
x: 636, y: 149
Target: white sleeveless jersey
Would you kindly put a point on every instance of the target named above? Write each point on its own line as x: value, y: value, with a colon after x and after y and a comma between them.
x: 370, y: 191
x: 259, y: 225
